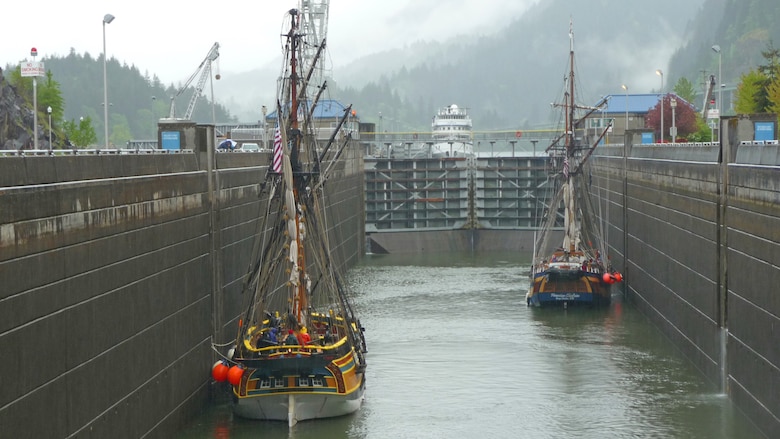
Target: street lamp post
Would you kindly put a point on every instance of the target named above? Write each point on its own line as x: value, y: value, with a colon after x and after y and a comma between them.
x: 107, y: 19
x: 661, y: 74
x: 265, y: 111
x: 716, y: 49
x: 49, y: 111
x: 34, y: 53
x: 673, y: 133
x: 625, y: 87
x: 154, y: 118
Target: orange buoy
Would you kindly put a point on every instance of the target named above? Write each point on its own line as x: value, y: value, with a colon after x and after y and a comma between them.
x: 618, y: 277
x: 220, y: 371
x: 234, y: 374
x: 607, y: 278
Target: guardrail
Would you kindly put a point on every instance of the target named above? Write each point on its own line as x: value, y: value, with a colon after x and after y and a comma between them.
x: 743, y: 143
x: 98, y: 151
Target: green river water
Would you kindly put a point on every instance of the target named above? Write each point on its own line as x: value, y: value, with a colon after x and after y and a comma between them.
x: 455, y: 353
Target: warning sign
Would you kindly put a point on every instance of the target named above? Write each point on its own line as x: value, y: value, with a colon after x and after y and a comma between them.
x: 713, y: 113
x: 32, y: 68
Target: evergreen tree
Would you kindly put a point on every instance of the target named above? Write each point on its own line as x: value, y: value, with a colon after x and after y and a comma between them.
x: 49, y: 95
x: 684, y: 89
x: 750, y: 93
x: 773, y: 95
x: 772, y: 67
x: 772, y: 71
x: 81, y: 135
x: 758, y: 90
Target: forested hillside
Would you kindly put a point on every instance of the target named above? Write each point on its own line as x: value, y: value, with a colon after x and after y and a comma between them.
x: 136, y: 100
x: 508, y: 80
x: 741, y: 28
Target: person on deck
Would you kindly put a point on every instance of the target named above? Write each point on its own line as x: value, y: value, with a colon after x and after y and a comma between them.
x: 267, y: 339
x: 303, y: 336
x: 291, y: 339
x: 328, y: 338
x: 228, y: 145
x: 270, y: 335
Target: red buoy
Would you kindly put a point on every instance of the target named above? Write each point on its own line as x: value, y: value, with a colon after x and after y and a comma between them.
x: 220, y: 371
x: 234, y: 374
x: 618, y: 277
x: 607, y: 278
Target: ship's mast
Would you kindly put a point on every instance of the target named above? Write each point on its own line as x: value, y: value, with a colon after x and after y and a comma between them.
x: 570, y: 102
x: 293, y: 39
x: 569, y: 240
x: 298, y: 299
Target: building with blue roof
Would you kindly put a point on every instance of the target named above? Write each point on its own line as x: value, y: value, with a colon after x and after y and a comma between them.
x: 326, y: 109
x: 327, y: 115
x: 627, y: 111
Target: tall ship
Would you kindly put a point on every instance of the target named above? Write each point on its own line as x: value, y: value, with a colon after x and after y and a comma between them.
x: 571, y: 267
x: 300, y: 351
x: 451, y: 131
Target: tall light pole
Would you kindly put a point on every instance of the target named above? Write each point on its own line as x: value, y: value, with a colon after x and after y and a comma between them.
x: 265, y: 112
x: 34, y: 53
x: 716, y: 49
x: 661, y: 74
x: 107, y: 19
x: 673, y: 133
x: 625, y: 87
x: 49, y: 111
x: 154, y: 118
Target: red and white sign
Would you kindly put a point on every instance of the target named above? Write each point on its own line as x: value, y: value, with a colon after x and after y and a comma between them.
x: 32, y: 68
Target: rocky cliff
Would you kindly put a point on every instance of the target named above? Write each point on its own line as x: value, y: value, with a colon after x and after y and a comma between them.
x: 16, y: 120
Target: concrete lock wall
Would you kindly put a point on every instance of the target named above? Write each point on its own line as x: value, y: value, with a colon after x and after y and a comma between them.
x: 117, y: 270
x: 696, y: 231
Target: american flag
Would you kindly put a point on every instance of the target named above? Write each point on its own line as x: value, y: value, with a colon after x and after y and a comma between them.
x: 277, y: 165
x: 566, y: 166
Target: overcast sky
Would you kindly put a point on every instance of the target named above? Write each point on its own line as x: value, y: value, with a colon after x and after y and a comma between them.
x: 171, y: 38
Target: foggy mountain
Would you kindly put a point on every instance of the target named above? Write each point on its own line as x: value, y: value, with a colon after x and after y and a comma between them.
x: 509, y: 78
x: 506, y: 75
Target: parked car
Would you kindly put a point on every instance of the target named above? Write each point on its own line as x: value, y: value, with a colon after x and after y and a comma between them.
x: 250, y: 147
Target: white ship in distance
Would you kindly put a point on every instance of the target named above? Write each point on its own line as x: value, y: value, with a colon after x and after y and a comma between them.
x: 452, y: 133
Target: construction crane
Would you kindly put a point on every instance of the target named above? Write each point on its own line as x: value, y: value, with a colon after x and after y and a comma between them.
x: 314, y: 27
x: 204, y: 69
x: 709, y: 85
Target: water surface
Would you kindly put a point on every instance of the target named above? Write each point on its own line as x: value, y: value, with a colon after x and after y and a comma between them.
x: 455, y: 353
